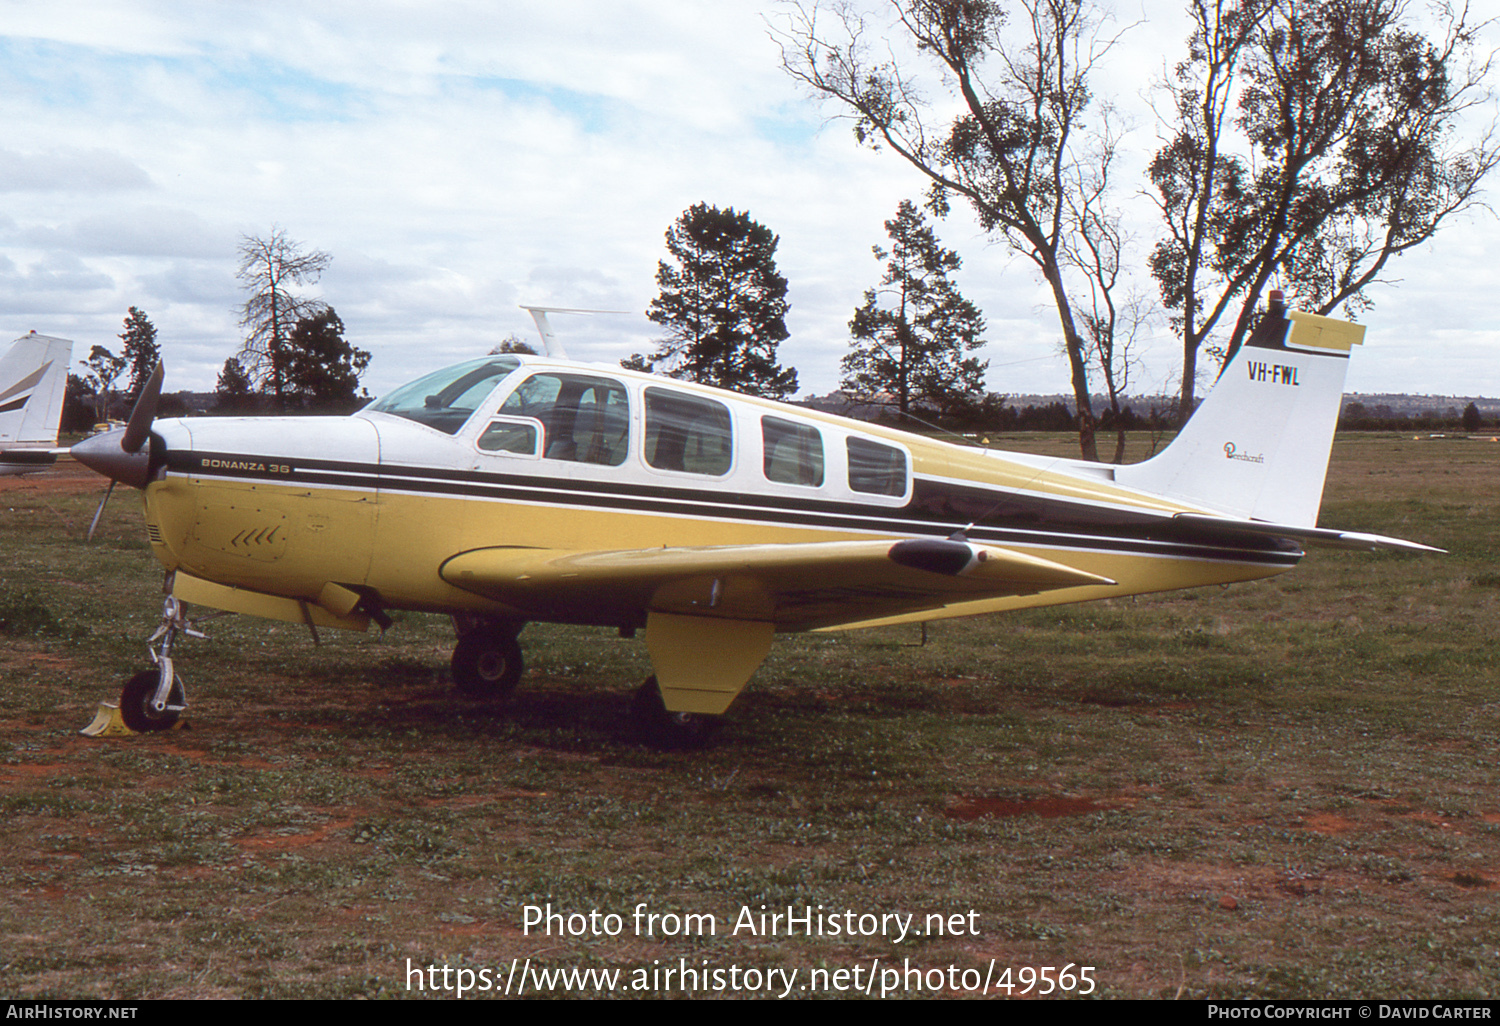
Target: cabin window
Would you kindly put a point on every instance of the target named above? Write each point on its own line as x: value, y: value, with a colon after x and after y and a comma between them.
x: 446, y: 399
x: 584, y: 419
x: 688, y: 433
x: 793, y: 452
x: 876, y: 469
x: 511, y: 435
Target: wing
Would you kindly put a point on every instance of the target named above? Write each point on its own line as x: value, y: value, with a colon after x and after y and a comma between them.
x: 793, y: 586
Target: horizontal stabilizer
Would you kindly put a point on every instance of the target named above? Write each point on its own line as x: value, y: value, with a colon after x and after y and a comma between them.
x: 1312, y: 535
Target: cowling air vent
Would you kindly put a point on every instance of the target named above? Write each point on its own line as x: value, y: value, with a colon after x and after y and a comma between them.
x: 251, y: 531
x: 154, y: 534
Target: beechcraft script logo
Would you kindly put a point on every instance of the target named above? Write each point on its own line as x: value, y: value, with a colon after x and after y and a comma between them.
x: 1231, y: 453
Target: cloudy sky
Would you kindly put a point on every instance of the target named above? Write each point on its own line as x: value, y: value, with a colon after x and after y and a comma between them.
x: 459, y: 158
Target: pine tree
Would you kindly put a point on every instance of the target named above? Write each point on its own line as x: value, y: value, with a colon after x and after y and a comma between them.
x: 912, y: 332
x: 141, y: 351
x: 723, y: 304
x: 236, y: 392
x: 322, y: 368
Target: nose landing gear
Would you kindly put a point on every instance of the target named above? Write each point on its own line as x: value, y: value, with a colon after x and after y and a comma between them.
x: 155, y: 699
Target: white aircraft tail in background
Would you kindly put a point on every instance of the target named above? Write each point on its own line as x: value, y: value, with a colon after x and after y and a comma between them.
x: 33, y: 380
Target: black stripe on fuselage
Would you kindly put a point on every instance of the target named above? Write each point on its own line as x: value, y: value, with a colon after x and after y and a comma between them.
x: 937, y: 507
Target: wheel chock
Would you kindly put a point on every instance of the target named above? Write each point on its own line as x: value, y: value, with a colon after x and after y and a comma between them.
x: 108, y: 722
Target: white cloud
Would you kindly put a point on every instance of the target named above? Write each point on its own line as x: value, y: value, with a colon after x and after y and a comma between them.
x: 70, y: 170
x: 458, y: 158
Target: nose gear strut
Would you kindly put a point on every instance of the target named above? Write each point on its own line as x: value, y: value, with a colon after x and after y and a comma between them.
x: 154, y: 699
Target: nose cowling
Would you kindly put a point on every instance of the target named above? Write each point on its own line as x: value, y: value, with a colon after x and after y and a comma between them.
x: 105, y: 454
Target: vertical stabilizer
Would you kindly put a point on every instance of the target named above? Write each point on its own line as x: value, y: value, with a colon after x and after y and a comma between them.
x: 1258, y: 445
x: 33, y: 380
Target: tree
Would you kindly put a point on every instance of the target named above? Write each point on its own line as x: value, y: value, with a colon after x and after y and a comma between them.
x: 235, y: 392
x: 322, y: 369
x: 723, y: 304
x: 104, y: 369
x: 269, y: 269
x: 79, y: 414
x: 912, y: 331
x: 1013, y: 150
x: 1473, y: 420
x: 141, y: 351
x: 1350, y: 119
x: 512, y: 344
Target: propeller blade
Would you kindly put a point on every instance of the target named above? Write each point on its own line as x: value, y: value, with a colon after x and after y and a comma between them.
x: 139, y: 427
x: 100, y: 511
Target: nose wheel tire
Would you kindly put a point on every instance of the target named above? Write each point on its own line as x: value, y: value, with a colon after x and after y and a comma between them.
x: 135, y: 703
x: 662, y: 729
x: 486, y: 665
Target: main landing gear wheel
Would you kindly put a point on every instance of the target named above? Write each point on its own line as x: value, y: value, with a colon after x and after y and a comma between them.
x: 135, y: 703
x: 487, y: 665
x: 662, y: 729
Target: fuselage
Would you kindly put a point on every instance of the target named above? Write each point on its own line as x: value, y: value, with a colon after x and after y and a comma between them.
x: 546, y: 454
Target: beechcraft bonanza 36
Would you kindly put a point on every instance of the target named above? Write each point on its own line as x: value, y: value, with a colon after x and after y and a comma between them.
x: 33, y: 379
x: 515, y: 488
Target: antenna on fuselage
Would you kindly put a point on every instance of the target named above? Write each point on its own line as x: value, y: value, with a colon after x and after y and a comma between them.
x: 549, y: 337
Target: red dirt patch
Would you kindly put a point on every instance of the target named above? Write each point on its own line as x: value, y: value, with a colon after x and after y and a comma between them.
x: 287, y: 842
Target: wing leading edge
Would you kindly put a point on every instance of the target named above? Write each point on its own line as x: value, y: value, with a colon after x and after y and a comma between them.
x: 793, y: 586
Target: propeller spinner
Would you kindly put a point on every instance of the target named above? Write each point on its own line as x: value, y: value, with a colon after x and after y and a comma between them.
x: 122, y: 455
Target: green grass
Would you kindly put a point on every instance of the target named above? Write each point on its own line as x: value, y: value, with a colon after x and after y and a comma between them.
x: 1279, y: 790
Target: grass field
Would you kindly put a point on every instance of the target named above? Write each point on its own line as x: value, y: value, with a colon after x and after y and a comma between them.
x: 1283, y: 789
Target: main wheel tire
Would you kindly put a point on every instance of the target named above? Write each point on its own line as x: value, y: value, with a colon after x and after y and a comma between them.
x: 486, y: 665
x: 135, y: 703
x: 662, y: 729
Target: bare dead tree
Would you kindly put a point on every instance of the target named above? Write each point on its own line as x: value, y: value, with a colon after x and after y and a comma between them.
x: 270, y: 267
x: 1111, y: 312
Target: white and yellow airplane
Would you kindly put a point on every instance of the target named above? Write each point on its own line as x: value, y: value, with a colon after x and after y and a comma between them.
x: 33, y: 380
x: 516, y: 488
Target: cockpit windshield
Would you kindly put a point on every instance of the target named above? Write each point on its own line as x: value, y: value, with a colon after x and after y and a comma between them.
x: 446, y: 399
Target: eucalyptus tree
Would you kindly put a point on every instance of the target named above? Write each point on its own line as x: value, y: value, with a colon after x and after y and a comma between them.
x: 1311, y: 141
